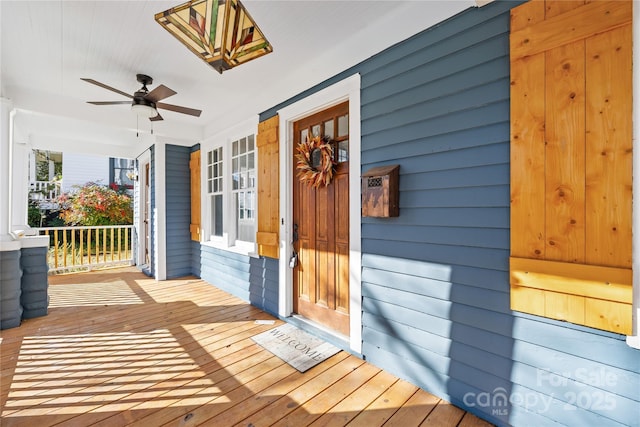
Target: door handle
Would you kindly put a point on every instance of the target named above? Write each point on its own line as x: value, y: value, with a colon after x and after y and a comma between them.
x: 295, y: 233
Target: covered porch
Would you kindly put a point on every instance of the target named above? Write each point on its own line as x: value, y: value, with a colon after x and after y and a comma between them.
x: 118, y: 348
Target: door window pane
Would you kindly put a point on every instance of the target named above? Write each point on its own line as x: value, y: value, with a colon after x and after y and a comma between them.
x: 328, y: 129
x: 343, y: 125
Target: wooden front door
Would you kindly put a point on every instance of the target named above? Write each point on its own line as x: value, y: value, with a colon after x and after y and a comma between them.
x: 321, y: 227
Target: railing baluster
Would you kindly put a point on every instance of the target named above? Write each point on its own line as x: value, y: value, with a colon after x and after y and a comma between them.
x: 97, y: 241
x: 81, y: 247
x: 64, y: 247
x: 73, y: 246
x: 104, y: 245
x: 55, y: 248
x: 111, y: 249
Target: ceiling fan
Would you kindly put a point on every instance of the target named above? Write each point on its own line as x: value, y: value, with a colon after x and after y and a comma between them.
x: 143, y: 102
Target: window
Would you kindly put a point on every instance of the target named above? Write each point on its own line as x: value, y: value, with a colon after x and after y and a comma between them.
x: 122, y: 172
x: 244, y: 184
x: 214, y: 188
x: 231, y: 192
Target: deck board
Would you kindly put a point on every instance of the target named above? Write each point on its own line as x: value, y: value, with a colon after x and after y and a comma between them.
x: 120, y: 349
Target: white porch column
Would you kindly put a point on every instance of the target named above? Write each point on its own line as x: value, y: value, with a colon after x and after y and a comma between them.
x: 20, y: 184
x: 5, y: 167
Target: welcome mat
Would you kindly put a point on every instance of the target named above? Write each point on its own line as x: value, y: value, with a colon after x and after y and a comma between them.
x: 296, y: 347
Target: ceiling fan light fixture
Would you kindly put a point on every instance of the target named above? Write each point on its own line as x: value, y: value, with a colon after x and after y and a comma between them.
x: 144, y: 110
x: 220, y: 32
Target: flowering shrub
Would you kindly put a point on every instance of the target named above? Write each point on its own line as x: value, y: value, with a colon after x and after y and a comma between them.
x: 95, y: 204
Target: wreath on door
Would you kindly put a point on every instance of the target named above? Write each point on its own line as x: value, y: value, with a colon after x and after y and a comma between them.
x: 315, y: 162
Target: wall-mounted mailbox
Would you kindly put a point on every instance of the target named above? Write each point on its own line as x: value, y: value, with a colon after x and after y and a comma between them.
x: 380, y: 191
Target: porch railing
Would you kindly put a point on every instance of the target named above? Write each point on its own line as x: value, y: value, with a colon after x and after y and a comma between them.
x: 87, y: 248
x: 45, y: 190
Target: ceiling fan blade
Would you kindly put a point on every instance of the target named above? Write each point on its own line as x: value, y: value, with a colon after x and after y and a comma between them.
x: 156, y: 118
x: 108, y: 102
x: 102, y: 85
x: 178, y: 109
x: 160, y: 93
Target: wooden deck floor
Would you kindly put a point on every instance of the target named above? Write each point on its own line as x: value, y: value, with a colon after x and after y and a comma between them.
x: 118, y: 348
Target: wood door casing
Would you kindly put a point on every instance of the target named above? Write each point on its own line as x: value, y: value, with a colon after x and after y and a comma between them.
x: 321, y: 222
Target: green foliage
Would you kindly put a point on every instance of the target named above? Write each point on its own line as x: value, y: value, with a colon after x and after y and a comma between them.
x: 95, y: 204
x: 34, y: 215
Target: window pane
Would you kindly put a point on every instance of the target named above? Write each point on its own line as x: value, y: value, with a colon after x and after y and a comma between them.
x: 245, y: 228
x: 243, y: 163
x: 244, y: 180
x: 303, y: 135
x: 234, y: 149
x: 315, y: 130
x: 216, y: 215
x: 236, y: 180
x: 343, y: 125
x: 328, y: 129
x: 343, y: 151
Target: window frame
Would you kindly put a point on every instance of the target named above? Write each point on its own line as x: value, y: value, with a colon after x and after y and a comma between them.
x: 228, y: 241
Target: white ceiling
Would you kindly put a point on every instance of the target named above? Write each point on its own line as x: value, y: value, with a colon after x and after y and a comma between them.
x: 47, y: 46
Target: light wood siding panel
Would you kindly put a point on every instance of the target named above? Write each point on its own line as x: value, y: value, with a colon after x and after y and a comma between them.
x: 435, y: 280
x: 178, y: 215
x: 268, y: 188
x: 527, y: 149
x: 194, y: 168
x: 609, y: 148
x: 579, y: 156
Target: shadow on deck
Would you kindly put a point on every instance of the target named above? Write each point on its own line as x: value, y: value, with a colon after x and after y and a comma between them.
x: 118, y: 348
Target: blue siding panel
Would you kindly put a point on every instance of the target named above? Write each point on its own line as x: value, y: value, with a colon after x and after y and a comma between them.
x: 252, y: 279
x: 263, y: 288
x: 195, y: 258
x: 178, y: 211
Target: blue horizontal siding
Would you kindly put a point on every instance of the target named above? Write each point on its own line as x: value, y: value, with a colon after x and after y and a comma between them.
x: 263, y: 288
x: 178, y: 211
x: 251, y: 279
